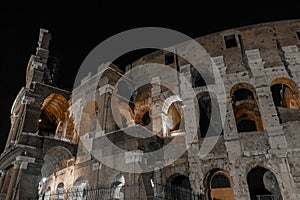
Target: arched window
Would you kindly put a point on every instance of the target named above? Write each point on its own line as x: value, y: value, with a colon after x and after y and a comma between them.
x: 60, y: 191
x: 118, y: 187
x: 284, y: 93
x: 245, y: 108
x: 172, y: 116
x: 142, y: 116
x: 179, y: 187
x: 79, y: 189
x: 263, y: 184
x: 246, y: 125
x: 47, y: 195
x: 52, y: 112
x: 198, y: 78
x: 210, y: 123
x: 142, y: 104
x: 220, y: 180
x: 55, y: 159
x: 126, y: 116
x: 219, y: 185
x: 243, y: 94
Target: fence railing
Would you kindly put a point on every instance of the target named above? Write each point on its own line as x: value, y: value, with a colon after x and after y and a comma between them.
x: 265, y: 197
x: 131, y: 192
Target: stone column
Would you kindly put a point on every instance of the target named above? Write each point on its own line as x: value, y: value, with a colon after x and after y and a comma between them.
x: 156, y: 113
x: 223, y: 81
x: 292, y: 56
x: 13, y: 179
x: 5, y: 182
x: 105, y: 115
x: 286, y: 183
x: 231, y: 136
x: 20, y: 164
x: 2, y: 178
x: 17, y: 123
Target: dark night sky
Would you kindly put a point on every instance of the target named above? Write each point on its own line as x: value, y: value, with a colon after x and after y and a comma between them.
x: 77, y: 27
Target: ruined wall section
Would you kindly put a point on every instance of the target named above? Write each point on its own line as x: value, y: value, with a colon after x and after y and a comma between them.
x: 255, y: 56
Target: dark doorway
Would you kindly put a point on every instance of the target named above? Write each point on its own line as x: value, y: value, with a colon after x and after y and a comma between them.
x: 263, y: 184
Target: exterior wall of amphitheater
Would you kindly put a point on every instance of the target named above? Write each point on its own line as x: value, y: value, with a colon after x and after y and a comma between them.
x: 256, y: 150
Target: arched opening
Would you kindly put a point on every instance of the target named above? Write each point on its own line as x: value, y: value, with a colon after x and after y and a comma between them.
x: 52, y: 113
x: 245, y: 107
x: 60, y: 191
x: 141, y: 101
x: 247, y: 118
x: 198, y: 80
x: 43, y: 188
x: 284, y: 93
x: 175, y: 115
x: 55, y: 159
x: 243, y: 94
x: 204, y: 103
x: 146, y: 119
x: 65, y: 130
x: 246, y: 125
x: 179, y: 188
x: 47, y: 195
x: 207, y: 102
x: 283, y: 96
x: 79, y: 189
x: 263, y: 184
x: 172, y: 116
x: 126, y: 116
x: 219, y: 185
x: 118, y: 187
x: 142, y: 116
x: 89, y: 118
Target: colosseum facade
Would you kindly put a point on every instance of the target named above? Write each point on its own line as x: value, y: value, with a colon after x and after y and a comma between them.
x: 230, y: 131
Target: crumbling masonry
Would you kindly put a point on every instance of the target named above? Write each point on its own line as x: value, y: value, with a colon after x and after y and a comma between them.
x: 57, y: 137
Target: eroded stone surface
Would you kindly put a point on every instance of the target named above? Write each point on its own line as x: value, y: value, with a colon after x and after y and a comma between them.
x: 51, y: 147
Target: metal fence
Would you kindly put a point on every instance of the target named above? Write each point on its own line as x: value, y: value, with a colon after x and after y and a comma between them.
x: 265, y: 197
x: 132, y: 192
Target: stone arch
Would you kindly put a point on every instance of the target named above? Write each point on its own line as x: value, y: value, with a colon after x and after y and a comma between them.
x: 285, y: 93
x: 66, y: 129
x: 219, y: 185
x: 55, y: 158
x: 243, y: 86
x: 60, y: 191
x: 117, y: 186
x: 79, y: 189
x: 252, y: 165
x: 172, y: 115
x: 245, y: 108
x: 197, y: 79
x: 248, y: 119
x: 126, y: 115
x: 141, y: 104
x: 53, y: 111
x: 179, y: 187
x: 142, y: 115
x: 263, y: 183
x: 89, y: 118
x: 43, y: 187
x: 207, y: 101
x: 47, y: 194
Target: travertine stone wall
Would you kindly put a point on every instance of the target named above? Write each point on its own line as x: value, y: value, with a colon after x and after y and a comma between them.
x: 261, y: 55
